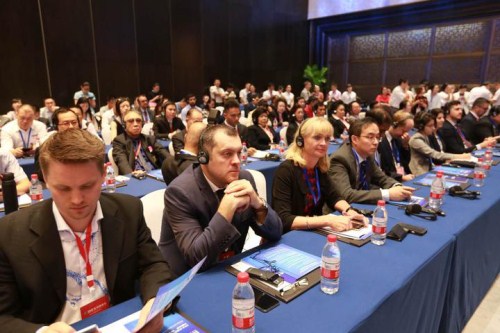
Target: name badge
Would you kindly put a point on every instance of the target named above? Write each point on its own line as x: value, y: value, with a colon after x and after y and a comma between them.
x: 94, y: 307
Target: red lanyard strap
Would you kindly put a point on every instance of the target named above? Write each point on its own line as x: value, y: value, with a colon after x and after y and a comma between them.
x: 85, y: 253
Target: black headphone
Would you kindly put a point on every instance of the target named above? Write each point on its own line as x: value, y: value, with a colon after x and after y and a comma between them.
x: 402, y: 121
x: 299, y: 140
x: 203, y: 156
x: 55, y: 117
x: 420, y: 120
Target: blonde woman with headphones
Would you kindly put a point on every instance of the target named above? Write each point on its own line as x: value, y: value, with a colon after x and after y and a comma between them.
x: 302, y: 186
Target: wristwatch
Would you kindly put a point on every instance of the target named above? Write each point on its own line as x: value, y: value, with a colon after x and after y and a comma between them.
x: 264, y: 207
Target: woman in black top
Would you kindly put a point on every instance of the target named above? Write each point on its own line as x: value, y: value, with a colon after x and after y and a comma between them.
x: 336, y: 116
x: 260, y: 135
x: 301, y: 184
x: 165, y: 126
x: 296, y: 119
x: 122, y: 106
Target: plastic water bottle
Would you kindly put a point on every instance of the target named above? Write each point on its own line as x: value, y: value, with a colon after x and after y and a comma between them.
x: 244, y: 154
x: 488, y: 159
x: 345, y: 135
x: 243, y: 305
x: 479, y: 173
x: 437, y: 192
x: 36, y: 189
x: 110, y: 178
x: 281, y: 148
x: 379, y: 224
x: 330, y: 266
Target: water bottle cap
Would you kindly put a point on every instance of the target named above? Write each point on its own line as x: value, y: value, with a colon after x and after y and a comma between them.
x: 34, y: 176
x: 331, y: 238
x: 243, y: 277
x: 439, y: 174
x: 381, y: 203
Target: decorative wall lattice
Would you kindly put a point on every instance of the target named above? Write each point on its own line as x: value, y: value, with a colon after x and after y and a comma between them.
x: 460, y: 38
x: 337, y: 49
x: 496, y: 37
x: 365, y: 73
x: 367, y: 47
x: 413, y: 70
x: 457, y: 70
x: 493, y: 74
x: 409, y: 43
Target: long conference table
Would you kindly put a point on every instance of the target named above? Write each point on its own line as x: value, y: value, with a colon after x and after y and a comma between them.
x: 431, y: 283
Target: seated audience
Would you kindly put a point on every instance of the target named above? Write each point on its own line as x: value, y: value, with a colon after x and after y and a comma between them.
x: 231, y: 118
x: 122, y: 106
x: 173, y: 166
x: 191, y: 104
x: 435, y: 140
x: 142, y: 105
x: 385, y: 96
x: 422, y: 153
x: 84, y: 124
x: 288, y: 96
x: 337, y: 118
x: 306, y: 92
x: 43, y: 120
x: 49, y: 107
x: 210, y: 206
x: 334, y: 94
x: 320, y: 110
x: 453, y: 136
x: 193, y: 116
x: 488, y: 126
x: 87, y: 112
x: 356, y: 176
x: 45, y: 281
x: 167, y: 124
x: 310, y: 106
x: 85, y: 92
x: 349, y: 95
x: 260, y: 135
x: 282, y: 115
x: 399, y: 94
x: 394, y: 149
x: 22, y: 136
x: 433, y: 97
x: 134, y: 152
x: 302, y: 186
x: 297, y: 118
x: 16, y: 104
x: 355, y: 112
x: 8, y: 163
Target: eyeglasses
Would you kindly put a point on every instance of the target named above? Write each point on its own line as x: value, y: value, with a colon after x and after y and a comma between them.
x: 134, y: 120
x: 69, y: 122
x: 372, y: 138
x: 270, y: 265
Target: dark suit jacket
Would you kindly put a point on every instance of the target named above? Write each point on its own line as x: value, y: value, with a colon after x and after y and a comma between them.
x: 161, y: 126
x: 242, y: 131
x: 468, y: 125
x: 173, y: 166
x: 178, y: 140
x: 344, y: 174
x: 290, y: 132
x: 387, y: 159
x: 259, y: 139
x: 32, y: 268
x: 485, y: 128
x: 290, y: 190
x: 151, y: 114
x: 338, y: 127
x: 433, y: 142
x: 452, y: 141
x: 192, y: 228
x: 124, y: 154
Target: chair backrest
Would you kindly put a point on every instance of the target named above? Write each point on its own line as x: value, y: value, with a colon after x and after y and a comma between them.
x: 146, y: 129
x: 244, y: 121
x: 106, y: 133
x: 111, y: 159
x: 153, y: 204
x: 260, y: 182
x: 171, y: 148
x: 283, y: 135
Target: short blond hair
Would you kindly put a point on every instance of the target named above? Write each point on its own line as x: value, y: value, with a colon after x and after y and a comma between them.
x: 72, y: 146
x: 308, y: 128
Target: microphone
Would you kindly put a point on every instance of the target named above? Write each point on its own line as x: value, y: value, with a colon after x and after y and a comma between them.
x: 418, y: 211
x: 458, y: 191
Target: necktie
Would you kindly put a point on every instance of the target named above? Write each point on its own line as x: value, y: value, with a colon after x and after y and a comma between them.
x: 363, y: 182
x: 467, y: 144
x: 395, y: 151
x: 220, y: 194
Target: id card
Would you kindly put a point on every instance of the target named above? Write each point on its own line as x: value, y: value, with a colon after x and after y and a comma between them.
x: 94, y: 307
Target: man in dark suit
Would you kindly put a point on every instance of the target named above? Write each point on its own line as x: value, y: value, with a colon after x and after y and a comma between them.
x: 469, y: 121
x: 356, y: 176
x: 166, y: 126
x: 453, y: 136
x: 209, y: 207
x: 134, y: 152
x: 394, y: 150
x: 143, y: 106
x: 45, y: 276
x: 488, y: 126
x: 192, y: 116
x: 173, y: 166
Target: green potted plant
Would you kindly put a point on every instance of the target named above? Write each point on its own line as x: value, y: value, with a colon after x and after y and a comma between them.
x: 316, y: 75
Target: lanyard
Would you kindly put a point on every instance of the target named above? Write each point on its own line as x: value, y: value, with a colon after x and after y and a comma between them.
x: 309, y: 185
x: 25, y: 144
x: 85, y: 253
x: 395, y: 151
x: 138, y: 150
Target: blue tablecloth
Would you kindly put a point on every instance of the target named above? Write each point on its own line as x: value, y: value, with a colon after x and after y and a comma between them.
x: 28, y: 165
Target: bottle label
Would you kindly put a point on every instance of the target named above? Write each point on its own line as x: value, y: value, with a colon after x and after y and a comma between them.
x: 243, y: 313
x: 435, y: 195
x: 243, y: 157
x: 36, y: 196
x: 486, y: 166
x: 110, y: 181
x: 378, y: 229
x: 330, y: 268
x: 479, y: 175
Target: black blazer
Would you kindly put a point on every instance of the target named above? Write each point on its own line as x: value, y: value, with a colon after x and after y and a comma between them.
x: 175, y: 165
x: 124, y: 154
x: 162, y: 128
x: 435, y: 145
x: 32, y: 267
x: 485, y: 128
x: 452, y: 141
x: 289, y: 193
x: 259, y: 139
x: 338, y: 127
x: 387, y: 160
x: 178, y: 140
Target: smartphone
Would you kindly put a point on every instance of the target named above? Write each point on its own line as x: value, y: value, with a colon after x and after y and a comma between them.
x: 264, y: 302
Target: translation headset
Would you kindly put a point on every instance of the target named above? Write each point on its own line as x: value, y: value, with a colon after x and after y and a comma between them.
x: 203, y: 156
x: 402, y: 121
x: 420, y: 120
x: 55, y: 117
x: 299, y: 140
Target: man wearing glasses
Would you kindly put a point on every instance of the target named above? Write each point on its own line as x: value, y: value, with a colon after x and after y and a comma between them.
x: 356, y: 176
x: 134, y: 152
x: 143, y: 107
